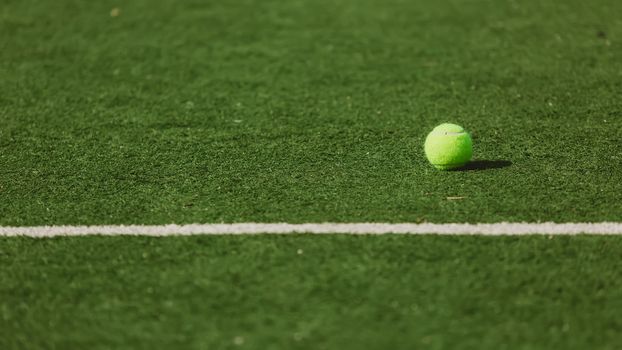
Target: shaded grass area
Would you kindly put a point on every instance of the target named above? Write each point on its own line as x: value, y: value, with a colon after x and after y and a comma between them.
x: 205, y: 111
x: 311, y: 292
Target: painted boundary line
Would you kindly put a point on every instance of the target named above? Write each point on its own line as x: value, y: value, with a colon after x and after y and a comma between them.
x: 492, y: 229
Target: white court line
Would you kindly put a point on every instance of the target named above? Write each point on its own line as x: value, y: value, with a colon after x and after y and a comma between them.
x: 493, y: 229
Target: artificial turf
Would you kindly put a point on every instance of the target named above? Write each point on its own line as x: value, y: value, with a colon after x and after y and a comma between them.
x: 150, y: 112
x: 311, y: 292
x: 306, y: 111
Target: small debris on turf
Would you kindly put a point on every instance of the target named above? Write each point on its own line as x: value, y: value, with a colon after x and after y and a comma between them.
x: 457, y: 198
x: 115, y: 12
x: 238, y: 340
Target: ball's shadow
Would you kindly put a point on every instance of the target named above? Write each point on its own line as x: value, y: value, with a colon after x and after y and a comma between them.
x: 485, y: 165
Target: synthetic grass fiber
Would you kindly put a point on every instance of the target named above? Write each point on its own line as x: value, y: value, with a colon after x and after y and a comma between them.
x: 307, y: 111
x: 311, y: 292
x: 158, y: 112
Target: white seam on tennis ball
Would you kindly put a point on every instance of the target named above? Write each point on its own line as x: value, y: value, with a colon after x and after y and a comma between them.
x: 450, y: 132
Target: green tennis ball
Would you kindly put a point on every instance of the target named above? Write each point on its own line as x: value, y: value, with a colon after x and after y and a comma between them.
x: 448, y: 146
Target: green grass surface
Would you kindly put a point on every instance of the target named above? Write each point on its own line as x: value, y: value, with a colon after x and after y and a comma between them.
x: 274, y: 110
x: 308, y: 111
x: 342, y: 292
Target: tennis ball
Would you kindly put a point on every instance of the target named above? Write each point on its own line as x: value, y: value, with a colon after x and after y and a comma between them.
x: 448, y: 146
